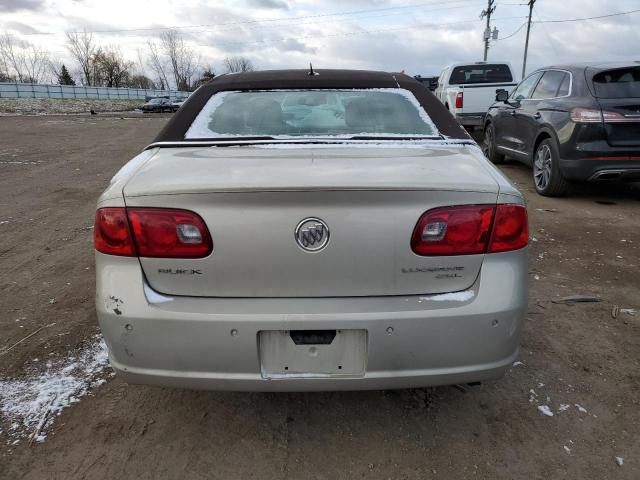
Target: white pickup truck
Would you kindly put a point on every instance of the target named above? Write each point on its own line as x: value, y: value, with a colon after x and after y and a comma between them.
x: 468, y: 89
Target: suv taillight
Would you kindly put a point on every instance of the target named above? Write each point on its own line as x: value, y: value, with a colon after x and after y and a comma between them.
x: 470, y: 229
x: 459, y: 99
x: 151, y: 232
x: 592, y: 115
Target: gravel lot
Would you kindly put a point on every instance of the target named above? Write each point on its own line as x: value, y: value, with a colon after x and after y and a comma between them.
x: 52, y: 171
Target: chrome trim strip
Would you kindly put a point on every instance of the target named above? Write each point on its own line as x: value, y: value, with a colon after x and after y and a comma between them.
x: 426, y: 142
x: 511, y: 149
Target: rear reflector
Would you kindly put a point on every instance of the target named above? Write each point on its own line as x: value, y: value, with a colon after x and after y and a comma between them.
x: 470, y: 229
x: 151, y: 232
x: 623, y: 158
x: 459, y: 99
x: 111, y: 234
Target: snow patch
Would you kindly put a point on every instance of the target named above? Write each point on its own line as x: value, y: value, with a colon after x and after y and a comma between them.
x: 348, y: 143
x: 545, y: 410
x: 451, y: 297
x: 200, y: 126
x: 620, y: 461
x: 155, y: 297
x: 25, y: 402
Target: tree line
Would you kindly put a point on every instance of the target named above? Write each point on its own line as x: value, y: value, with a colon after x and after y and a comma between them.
x: 168, y: 62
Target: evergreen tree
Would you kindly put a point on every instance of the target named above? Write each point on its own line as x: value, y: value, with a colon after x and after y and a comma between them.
x: 64, y: 78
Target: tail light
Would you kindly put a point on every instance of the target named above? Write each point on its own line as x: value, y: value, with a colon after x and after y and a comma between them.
x: 510, y: 229
x: 459, y: 99
x: 152, y: 232
x: 111, y: 232
x: 592, y: 115
x: 470, y: 229
x: 586, y: 115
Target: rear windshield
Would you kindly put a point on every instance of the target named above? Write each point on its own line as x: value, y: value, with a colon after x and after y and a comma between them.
x: 618, y: 83
x: 492, y: 73
x: 286, y: 113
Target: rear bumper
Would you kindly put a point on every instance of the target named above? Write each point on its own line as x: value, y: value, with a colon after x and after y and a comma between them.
x: 612, y: 167
x: 188, y: 342
x: 470, y: 119
x: 597, y: 160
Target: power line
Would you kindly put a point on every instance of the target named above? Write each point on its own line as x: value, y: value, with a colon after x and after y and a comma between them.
x: 589, y: 18
x: 248, y: 22
x: 466, y: 5
x: 512, y: 34
x: 546, y: 31
x: 354, y: 32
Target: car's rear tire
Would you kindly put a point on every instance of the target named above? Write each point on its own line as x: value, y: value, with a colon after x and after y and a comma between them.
x: 547, y: 177
x: 489, y: 145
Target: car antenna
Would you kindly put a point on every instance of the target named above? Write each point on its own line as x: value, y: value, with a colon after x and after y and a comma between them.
x: 311, y: 72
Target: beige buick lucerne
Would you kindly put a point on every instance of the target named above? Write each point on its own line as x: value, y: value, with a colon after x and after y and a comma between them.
x: 299, y: 230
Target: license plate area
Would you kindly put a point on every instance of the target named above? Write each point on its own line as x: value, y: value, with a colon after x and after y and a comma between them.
x: 312, y: 353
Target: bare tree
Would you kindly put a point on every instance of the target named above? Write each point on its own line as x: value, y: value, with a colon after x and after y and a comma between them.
x: 36, y: 63
x: 182, y: 59
x: 139, y: 78
x: 4, y: 65
x: 157, y: 64
x: 237, y: 64
x: 83, y: 50
x: 141, y: 81
x: 22, y: 60
x: 207, y: 74
x: 112, y: 69
x: 11, y: 55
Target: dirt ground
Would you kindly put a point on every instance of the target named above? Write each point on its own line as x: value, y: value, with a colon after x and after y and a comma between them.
x: 52, y: 170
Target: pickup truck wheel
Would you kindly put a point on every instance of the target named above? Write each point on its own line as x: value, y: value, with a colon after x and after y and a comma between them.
x: 489, y: 145
x: 547, y: 177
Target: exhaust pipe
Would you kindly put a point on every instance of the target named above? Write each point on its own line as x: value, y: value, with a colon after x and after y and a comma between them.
x: 607, y: 175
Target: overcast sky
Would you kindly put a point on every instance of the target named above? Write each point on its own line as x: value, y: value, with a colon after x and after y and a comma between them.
x: 419, y: 37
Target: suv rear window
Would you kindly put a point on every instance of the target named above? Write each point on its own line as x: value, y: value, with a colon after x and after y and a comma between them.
x: 287, y: 113
x: 490, y: 73
x: 618, y: 83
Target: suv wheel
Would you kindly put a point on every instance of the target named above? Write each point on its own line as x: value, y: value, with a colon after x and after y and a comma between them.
x: 547, y: 177
x: 489, y: 145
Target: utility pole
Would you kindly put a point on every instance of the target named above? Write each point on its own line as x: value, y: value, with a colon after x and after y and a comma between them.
x: 487, y: 32
x: 526, y: 43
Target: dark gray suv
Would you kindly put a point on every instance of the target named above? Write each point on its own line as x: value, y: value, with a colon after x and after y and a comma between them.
x: 570, y: 123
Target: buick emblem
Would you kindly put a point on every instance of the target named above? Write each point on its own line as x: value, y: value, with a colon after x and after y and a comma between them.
x: 312, y: 234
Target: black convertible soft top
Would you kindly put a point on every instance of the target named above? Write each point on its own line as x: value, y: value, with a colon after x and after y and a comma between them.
x: 175, y: 130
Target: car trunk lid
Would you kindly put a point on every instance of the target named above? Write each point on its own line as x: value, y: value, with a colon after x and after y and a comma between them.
x: 624, y: 131
x: 618, y: 92
x: 370, y: 199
